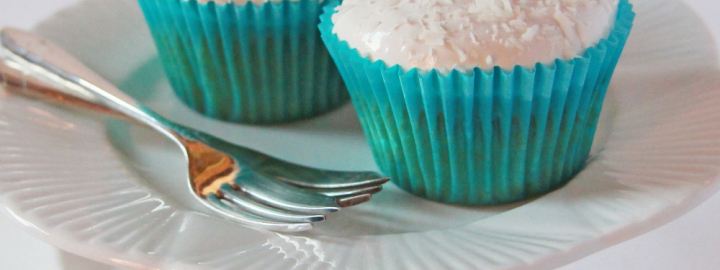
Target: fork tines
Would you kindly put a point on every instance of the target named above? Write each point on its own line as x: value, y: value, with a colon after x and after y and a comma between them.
x: 291, y: 205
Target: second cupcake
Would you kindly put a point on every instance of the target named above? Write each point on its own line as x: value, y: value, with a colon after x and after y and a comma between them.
x: 478, y: 101
x: 246, y: 61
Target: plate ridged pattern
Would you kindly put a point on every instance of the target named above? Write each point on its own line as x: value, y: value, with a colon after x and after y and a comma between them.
x: 62, y: 179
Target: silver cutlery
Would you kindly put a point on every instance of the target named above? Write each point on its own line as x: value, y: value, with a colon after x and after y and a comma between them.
x: 235, y: 182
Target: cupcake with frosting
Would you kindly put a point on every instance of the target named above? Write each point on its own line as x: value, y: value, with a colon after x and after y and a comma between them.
x: 247, y: 61
x: 478, y: 101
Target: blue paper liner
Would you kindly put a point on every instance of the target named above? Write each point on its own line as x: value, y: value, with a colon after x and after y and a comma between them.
x: 481, y: 137
x: 246, y: 63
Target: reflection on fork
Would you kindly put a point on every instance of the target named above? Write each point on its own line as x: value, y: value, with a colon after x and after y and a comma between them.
x: 236, y: 182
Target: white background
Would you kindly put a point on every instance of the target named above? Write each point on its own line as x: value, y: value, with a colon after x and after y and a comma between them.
x: 691, y: 242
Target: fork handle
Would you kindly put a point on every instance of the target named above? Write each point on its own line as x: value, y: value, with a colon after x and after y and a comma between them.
x: 33, y: 66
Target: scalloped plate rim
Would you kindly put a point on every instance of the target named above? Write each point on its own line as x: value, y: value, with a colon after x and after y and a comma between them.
x: 578, y: 251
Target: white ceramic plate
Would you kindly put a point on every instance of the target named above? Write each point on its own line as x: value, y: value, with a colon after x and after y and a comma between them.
x: 115, y: 193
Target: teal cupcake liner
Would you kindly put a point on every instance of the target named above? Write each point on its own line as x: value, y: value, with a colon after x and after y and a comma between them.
x: 246, y: 63
x: 481, y: 137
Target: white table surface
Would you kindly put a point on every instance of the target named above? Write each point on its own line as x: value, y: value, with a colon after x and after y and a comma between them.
x: 691, y: 242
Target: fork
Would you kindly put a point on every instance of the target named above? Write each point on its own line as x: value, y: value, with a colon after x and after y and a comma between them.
x: 238, y: 183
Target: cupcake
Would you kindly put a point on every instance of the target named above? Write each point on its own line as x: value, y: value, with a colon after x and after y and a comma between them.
x: 478, y: 102
x: 246, y: 61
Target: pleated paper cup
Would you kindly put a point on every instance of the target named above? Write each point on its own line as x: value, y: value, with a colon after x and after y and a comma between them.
x: 481, y: 137
x: 249, y: 63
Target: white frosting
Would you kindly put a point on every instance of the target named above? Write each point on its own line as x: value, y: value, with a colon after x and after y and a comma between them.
x: 464, y: 34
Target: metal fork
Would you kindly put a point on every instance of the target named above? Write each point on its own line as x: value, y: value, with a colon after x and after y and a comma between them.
x: 238, y: 183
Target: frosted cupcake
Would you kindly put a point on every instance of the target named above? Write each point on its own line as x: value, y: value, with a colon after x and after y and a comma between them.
x: 246, y: 61
x: 478, y: 101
